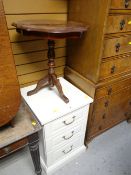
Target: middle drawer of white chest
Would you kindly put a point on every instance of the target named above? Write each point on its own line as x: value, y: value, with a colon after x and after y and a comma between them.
x: 64, y: 138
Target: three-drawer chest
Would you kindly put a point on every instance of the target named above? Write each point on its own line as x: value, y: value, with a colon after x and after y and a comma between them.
x: 64, y: 125
x: 100, y: 63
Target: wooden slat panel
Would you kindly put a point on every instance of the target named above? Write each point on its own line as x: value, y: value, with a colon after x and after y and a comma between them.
x: 33, y: 6
x: 28, y: 68
x: 14, y: 18
x: 31, y: 46
x: 37, y: 56
x: 38, y: 75
x: 35, y: 82
x: 30, y: 54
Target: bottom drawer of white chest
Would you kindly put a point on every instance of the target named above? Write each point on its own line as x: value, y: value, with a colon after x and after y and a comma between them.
x: 54, y: 156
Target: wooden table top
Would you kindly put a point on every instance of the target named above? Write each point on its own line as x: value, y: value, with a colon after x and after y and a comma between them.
x: 25, y: 124
x: 51, y: 28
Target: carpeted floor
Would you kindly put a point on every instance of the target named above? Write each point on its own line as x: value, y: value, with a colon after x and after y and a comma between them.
x: 108, y: 154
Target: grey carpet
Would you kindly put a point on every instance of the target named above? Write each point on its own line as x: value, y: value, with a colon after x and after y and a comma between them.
x: 108, y: 154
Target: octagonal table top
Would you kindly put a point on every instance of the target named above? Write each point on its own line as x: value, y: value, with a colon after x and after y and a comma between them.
x: 51, y: 28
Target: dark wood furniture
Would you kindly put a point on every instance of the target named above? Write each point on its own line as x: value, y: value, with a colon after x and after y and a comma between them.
x: 24, y: 132
x: 9, y: 86
x: 100, y: 64
x: 50, y: 30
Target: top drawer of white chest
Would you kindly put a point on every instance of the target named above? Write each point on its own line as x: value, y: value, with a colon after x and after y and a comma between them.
x: 66, y: 122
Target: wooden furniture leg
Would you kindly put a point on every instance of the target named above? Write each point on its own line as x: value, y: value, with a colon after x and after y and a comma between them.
x: 41, y: 83
x: 129, y: 118
x: 59, y: 87
x: 51, y: 78
x: 33, y: 141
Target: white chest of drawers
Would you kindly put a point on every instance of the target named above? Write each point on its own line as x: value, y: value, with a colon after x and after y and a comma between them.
x: 63, y: 124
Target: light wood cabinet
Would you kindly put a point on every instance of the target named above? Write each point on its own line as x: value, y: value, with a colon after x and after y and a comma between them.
x: 100, y: 62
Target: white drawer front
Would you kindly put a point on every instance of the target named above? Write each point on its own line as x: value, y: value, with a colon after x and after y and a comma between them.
x: 65, y: 122
x: 56, y: 155
x: 65, y: 137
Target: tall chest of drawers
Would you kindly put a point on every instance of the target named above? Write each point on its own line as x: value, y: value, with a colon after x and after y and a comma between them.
x: 100, y: 64
x: 64, y: 125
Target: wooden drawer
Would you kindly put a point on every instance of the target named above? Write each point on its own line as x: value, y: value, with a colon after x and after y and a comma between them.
x: 65, y: 122
x: 101, y: 105
x: 120, y: 4
x: 113, y: 88
x: 12, y: 147
x: 115, y: 66
x: 117, y: 46
x: 65, y: 137
x: 100, y: 112
x: 120, y: 104
x: 100, y: 122
x: 119, y: 107
x: 118, y: 23
x: 63, y: 152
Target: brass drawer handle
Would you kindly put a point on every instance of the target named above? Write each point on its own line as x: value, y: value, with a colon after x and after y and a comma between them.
x: 122, y: 24
x: 117, y: 46
x: 7, y: 149
x: 113, y: 68
x: 67, y: 138
x: 66, y: 152
x: 126, y: 3
x: 73, y: 119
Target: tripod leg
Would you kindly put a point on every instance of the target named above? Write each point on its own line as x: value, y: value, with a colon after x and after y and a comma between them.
x: 41, y: 83
x: 59, y: 87
x: 51, y: 83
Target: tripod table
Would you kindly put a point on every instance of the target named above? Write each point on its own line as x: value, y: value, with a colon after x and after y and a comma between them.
x: 50, y: 30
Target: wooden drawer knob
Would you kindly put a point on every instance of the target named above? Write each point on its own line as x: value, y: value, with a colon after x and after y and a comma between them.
x: 122, y: 24
x: 113, y: 68
x: 106, y: 104
x: 117, y: 46
x: 109, y: 91
x: 100, y: 127
x: 128, y: 115
x: 104, y: 116
x: 126, y: 3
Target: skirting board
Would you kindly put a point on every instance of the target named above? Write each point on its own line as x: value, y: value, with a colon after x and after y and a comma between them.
x: 62, y: 162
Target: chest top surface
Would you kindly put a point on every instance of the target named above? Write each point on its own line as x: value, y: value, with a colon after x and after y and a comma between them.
x: 48, y: 106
